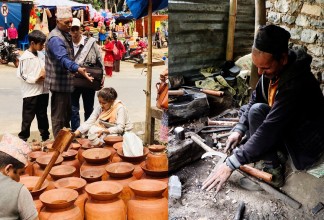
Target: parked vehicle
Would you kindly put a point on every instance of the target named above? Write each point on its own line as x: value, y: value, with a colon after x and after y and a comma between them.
x: 135, y: 54
x: 9, y: 53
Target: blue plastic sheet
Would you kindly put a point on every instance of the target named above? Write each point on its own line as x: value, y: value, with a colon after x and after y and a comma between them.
x: 14, y: 15
x: 139, y: 8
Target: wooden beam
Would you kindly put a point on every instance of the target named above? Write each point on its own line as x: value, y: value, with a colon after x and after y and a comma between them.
x: 143, y: 65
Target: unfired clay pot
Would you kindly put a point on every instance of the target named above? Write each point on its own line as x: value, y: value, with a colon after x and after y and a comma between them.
x: 148, y: 203
x: 104, y: 203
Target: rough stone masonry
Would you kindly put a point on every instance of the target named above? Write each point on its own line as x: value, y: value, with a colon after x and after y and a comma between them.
x: 305, y: 22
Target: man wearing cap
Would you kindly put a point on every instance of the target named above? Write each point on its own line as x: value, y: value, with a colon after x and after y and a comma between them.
x: 16, y: 201
x: 59, y: 68
x: 285, y: 113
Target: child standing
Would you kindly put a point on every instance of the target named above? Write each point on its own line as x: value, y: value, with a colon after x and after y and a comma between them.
x: 35, y: 96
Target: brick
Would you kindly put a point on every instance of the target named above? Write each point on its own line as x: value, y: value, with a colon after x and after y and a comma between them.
x: 308, y: 36
x: 302, y: 20
x: 311, y: 10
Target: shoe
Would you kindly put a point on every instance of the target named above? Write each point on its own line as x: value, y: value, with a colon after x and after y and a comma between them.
x: 278, y: 178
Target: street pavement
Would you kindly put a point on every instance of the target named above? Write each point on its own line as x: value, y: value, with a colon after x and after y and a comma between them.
x: 129, y: 84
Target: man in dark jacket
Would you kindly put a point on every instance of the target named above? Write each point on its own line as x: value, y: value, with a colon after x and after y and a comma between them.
x: 59, y: 67
x: 285, y: 112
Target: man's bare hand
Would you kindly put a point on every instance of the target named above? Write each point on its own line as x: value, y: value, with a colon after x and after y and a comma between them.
x: 217, y: 177
x: 84, y: 73
x: 232, y: 141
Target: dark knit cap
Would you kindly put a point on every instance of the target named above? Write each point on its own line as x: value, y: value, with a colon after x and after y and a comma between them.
x: 272, y: 39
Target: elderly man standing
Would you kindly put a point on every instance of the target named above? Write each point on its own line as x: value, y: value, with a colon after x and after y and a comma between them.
x: 285, y: 113
x: 59, y: 68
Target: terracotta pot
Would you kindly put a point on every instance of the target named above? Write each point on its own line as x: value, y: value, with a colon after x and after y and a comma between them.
x: 157, y: 161
x: 104, y: 203
x: 69, y: 154
x: 148, y: 203
x: 35, y: 154
x: 120, y: 170
x: 44, y: 160
x: 38, y: 171
x: 111, y: 140
x: 157, y: 148
x: 30, y: 182
x: 62, y: 171
x: 75, y: 163
x: 75, y: 146
x: 101, y: 167
x: 96, y: 155
x: 136, y: 159
x: 118, y: 145
x: 127, y: 193
x: 92, y: 174
x: 71, y: 213
x: 153, y: 173
x: 116, y: 158
x: 38, y: 205
x: 77, y: 184
x: 164, y: 179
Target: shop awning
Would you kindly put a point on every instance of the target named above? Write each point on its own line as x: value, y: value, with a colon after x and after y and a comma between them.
x: 52, y: 4
x: 139, y: 8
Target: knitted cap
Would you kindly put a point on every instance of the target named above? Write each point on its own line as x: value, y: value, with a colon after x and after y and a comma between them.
x: 272, y: 39
x: 15, y: 147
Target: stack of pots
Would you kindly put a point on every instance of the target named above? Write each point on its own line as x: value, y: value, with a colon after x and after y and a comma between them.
x: 69, y: 158
x: 93, y: 168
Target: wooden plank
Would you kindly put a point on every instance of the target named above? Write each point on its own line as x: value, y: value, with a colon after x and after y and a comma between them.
x: 143, y: 65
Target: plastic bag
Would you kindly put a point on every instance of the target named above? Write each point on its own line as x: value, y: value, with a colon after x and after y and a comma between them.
x: 132, y: 145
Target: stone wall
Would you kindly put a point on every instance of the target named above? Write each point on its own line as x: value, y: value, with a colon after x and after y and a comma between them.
x: 305, y: 22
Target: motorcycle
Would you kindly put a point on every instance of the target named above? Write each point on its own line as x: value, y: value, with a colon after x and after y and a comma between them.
x: 135, y: 54
x: 9, y: 53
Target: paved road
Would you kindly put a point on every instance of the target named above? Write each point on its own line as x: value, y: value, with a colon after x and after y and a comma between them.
x: 129, y: 84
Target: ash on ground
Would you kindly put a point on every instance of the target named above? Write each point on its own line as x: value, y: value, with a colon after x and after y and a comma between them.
x: 198, y: 204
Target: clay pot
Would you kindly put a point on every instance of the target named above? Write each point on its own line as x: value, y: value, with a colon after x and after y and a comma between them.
x: 118, y: 145
x: 163, y: 178
x: 157, y: 160
x: 104, y: 203
x: 92, y: 174
x: 44, y: 160
x: 136, y: 159
x: 96, y: 155
x: 59, y: 204
x: 127, y: 193
x: 35, y: 154
x: 111, y: 140
x: 86, y: 166
x: 69, y: 154
x: 157, y: 148
x: 75, y: 146
x: 62, y: 171
x: 148, y: 203
x: 77, y: 184
x: 153, y: 173
x: 120, y: 170
x: 30, y: 182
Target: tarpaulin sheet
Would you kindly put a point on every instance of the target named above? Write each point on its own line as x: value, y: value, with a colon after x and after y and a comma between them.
x: 139, y: 7
x: 14, y: 15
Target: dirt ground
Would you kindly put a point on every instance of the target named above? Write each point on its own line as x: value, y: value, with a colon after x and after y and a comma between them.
x: 197, y: 204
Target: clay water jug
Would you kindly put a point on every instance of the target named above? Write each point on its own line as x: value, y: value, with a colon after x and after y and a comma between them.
x: 157, y: 159
x: 59, y: 204
x: 148, y: 203
x: 77, y: 184
x: 104, y: 203
x: 121, y: 173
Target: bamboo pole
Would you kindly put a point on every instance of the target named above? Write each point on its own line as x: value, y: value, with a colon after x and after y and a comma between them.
x: 231, y: 30
x: 147, y: 136
x: 260, y: 19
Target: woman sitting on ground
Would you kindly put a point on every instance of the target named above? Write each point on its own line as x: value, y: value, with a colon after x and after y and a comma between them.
x: 109, y: 118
